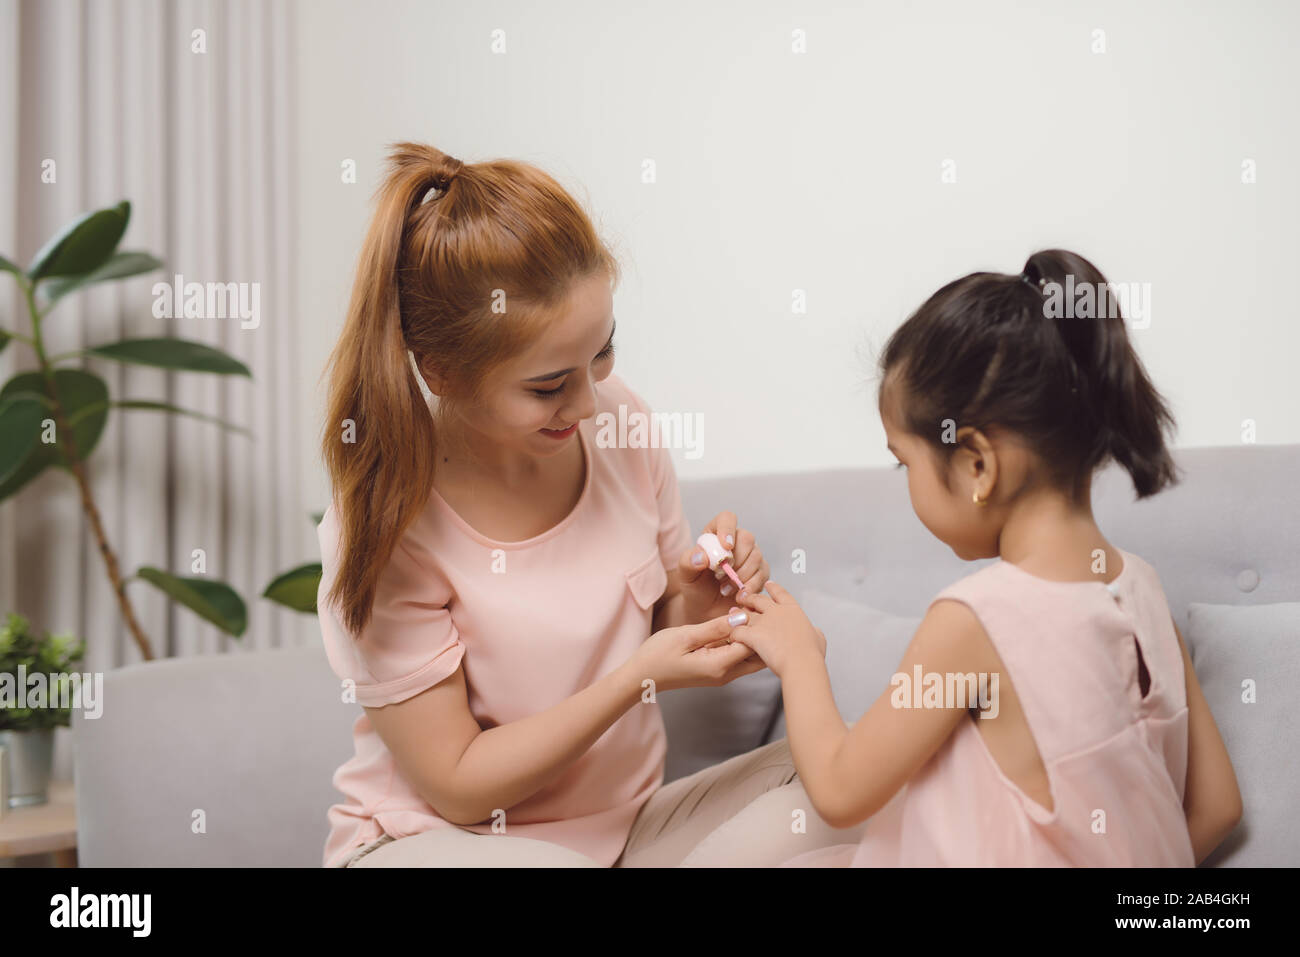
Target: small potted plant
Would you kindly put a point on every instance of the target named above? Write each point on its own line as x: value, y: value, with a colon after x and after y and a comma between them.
x: 29, y: 711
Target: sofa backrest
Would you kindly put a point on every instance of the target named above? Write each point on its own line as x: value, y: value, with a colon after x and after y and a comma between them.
x: 1228, y: 533
x: 252, y: 740
x: 246, y: 742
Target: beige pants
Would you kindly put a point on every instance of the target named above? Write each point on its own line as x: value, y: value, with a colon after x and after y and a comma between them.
x: 740, y: 813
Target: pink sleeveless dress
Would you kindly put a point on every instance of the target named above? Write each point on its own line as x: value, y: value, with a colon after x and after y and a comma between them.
x: 1116, y: 760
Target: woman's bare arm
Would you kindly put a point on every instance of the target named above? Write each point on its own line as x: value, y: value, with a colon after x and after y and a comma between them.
x: 466, y: 773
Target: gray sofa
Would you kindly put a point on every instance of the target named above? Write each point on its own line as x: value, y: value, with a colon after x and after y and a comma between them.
x: 247, y: 743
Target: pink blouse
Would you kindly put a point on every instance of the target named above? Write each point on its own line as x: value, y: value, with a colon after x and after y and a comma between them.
x: 531, y: 623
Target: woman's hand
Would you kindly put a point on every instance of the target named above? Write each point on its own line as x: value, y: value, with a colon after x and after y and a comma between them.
x: 708, y: 595
x: 778, y: 630
x: 693, y: 656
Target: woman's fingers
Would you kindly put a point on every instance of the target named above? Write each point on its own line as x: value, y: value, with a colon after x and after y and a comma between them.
x: 724, y: 526
x: 727, y: 658
x: 754, y: 583
x: 746, y: 667
x: 743, y: 549
x: 748, y: 555
x: 692, y: 564
x: 706, y: 632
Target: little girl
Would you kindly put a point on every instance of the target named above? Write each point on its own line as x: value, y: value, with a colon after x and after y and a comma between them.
x: 1059, y: 720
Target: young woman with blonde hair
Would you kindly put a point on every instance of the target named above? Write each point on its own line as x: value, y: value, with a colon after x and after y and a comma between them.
x: 503, y: 595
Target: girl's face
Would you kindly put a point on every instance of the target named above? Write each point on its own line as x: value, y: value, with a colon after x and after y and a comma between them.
x: 533, y: 402
x: 947, y: 510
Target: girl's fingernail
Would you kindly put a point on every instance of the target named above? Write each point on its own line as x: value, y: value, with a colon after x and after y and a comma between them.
x: 731, y: 540
x: 698, y: 558
x: 738, y: 619
x: 727, y: 589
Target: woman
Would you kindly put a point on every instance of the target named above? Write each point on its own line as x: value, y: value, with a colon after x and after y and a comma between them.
x: 492, y: 577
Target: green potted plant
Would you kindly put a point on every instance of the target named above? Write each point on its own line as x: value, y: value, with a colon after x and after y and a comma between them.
x: 30, y: 711
x: 54, y: 415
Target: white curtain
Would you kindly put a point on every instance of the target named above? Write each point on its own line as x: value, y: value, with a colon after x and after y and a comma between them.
x: 115, y: 93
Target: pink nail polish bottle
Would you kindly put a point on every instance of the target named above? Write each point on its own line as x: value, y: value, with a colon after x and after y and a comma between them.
x: 720, y: 558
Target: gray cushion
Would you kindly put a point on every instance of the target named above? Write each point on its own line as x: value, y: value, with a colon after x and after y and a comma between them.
x: 1231, y: 644
x: 863, y: 649
x: 706, y: 726
x: 250, y: 739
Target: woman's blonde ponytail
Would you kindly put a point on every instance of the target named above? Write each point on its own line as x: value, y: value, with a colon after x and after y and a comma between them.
x: 446, y: 239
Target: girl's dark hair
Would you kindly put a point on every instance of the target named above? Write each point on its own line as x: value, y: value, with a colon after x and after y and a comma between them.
x: 987, y: 351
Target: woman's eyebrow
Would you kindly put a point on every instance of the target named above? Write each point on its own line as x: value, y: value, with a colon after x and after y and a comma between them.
x: 556, y: 375
x: 549, y: 375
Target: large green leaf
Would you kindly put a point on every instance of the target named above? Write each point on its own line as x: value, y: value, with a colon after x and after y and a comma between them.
x: 118, y: 266
x: 77, y: 389
x: 84, y: 245
x: 4, y: 339
x: 7, y: 266
x: 150, y: 405
x: 177, y: 354
x: 211, y: 600
x: 297, y: 587
x: 20, y: 430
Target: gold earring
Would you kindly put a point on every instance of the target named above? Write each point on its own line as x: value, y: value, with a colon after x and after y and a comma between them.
x: 975, y: 497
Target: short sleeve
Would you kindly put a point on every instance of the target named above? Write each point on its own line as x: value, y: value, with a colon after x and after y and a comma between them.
x: 674, y: 530
x: 410, y: 643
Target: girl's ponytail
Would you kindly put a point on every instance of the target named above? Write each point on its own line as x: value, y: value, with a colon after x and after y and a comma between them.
x: 1126, y: 417
x: 992, y: 350
x: 446, y: 242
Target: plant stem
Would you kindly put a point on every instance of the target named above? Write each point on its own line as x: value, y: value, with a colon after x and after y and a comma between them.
x: 79, y: 472
x: 21, y: 338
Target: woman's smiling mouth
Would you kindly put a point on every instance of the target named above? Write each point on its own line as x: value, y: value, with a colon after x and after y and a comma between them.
x: 560, y: 433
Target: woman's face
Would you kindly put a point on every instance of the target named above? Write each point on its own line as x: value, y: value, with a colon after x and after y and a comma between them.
x: 533, y: 402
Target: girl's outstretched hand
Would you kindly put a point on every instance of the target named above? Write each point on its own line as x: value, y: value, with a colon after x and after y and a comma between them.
x: 709, y: 594
x: 778, y: 629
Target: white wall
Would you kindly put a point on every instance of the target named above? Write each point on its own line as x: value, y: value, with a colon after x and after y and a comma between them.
x: 821, y: 172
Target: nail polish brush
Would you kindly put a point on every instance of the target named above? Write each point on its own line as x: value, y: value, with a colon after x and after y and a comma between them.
x: 720, y: 558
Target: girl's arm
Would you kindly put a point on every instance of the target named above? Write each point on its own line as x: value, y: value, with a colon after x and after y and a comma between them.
x: 1211, y: 799
x: 850, y: 774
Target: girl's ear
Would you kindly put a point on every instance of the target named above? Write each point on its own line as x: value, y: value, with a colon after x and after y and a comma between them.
x: 976, y: 461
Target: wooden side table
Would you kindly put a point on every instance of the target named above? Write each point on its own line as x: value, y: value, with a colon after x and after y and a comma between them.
x: 49, y: 828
